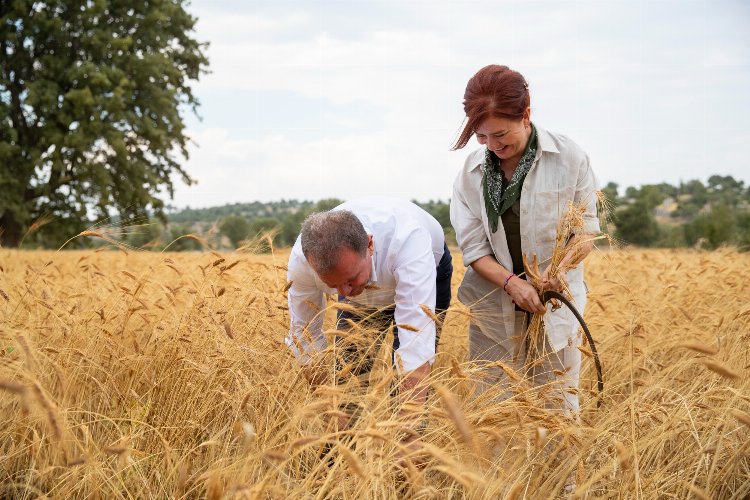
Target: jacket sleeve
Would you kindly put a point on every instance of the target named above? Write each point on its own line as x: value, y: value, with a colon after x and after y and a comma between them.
x: 466, y: 219
x: 586, y: 194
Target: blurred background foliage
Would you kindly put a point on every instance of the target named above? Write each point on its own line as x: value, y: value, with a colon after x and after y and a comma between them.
x: 692, y: 214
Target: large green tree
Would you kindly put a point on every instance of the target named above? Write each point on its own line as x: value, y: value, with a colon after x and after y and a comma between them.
x: 92, y: 99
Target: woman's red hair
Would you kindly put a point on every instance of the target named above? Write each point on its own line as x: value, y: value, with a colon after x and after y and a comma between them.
x: 495, y: 91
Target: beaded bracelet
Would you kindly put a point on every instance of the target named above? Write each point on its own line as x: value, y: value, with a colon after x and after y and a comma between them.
x: 507, y: 280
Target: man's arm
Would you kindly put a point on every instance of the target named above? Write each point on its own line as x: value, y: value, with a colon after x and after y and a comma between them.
x: 306, y: 311
x: 414, y: 270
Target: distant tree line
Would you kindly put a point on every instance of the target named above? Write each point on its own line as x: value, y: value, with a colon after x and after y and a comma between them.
x: 251, y: 226
x: 691, y: 214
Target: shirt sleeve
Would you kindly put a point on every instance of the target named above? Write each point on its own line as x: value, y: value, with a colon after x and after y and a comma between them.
x: 306, y: 311
x: 415, y: 284
x: 467, y: 222
x: 586, y: 188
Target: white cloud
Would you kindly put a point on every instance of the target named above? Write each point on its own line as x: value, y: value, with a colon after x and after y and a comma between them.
x: 274, y: 167
x: 649, y: 101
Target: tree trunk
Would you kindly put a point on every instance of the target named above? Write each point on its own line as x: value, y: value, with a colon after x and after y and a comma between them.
x: 10, y: 231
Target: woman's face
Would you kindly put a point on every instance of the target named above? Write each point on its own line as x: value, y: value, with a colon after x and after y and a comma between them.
x: 505, y: 137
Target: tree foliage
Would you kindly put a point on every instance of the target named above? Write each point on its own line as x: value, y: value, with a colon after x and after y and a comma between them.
x: 611, y: 192
x: 178, y: 241
x: 636, y: 224
x: 146, y: 236
x: 742, y: 223
x: 236, y: 228
x: 711, y: 229
x: 92, y: 98
x: 706, y: 215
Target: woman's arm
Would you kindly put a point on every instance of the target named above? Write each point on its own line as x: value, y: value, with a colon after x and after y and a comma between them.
x: 477, y: 251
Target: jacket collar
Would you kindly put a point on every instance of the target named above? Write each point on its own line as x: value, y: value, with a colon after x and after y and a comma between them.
x: 545, y: 141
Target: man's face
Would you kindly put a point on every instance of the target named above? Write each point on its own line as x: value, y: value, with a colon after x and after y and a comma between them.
x: 352, y: 272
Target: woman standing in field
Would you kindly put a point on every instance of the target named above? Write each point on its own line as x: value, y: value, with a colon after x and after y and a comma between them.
x: 507, y: 201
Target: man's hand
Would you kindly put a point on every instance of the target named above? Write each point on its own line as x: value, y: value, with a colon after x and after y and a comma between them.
x: 413, y: 395
x: 411, y: 450
x: 413, y: 387
x: 315, y: 374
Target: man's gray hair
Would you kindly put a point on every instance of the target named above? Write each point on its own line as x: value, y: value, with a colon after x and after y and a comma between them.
x: 325, y: 234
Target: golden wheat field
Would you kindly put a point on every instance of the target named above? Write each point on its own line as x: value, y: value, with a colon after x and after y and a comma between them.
x: 147, y: 375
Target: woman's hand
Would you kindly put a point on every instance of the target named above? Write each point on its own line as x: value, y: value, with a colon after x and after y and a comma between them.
x: 520, y: 290
x: 549, y: 283
x: 576, y: 250
x: 524, y: 295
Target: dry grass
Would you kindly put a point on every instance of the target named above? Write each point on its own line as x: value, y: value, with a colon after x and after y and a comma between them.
x: 136, y: 375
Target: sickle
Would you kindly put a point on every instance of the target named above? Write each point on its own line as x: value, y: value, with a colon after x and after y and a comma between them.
x: 551, y: 294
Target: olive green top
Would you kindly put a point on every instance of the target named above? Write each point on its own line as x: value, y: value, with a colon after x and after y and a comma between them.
x: 512, y: 225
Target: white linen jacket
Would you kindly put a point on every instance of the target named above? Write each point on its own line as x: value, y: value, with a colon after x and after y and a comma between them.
x: 560, y: 174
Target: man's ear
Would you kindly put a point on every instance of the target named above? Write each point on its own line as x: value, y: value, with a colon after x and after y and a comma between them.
x: 370, y: 244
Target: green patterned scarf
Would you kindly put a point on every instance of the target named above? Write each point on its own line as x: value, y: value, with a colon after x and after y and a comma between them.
x: 496, y: 199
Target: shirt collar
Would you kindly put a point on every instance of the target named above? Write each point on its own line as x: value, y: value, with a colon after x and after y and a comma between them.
x: 373, y: 272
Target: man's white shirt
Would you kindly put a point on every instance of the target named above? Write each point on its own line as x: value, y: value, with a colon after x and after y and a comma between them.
x: 408, y: 244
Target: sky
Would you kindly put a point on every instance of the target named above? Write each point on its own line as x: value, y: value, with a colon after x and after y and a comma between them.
x: 316, y: 99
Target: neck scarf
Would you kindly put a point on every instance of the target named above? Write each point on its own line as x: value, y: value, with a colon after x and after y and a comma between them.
x: 496, y: 199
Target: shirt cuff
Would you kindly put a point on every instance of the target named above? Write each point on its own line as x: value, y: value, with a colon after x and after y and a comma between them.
x: 304, y: 350
x: 411, y: 356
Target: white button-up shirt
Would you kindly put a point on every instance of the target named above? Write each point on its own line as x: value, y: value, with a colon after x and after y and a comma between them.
x: 408, y: 244
x: 560, y: 174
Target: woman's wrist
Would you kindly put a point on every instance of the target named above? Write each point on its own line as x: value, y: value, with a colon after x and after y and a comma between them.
x: 507, y: 280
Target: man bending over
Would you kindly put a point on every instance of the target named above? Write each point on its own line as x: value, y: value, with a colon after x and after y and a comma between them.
x: 388, y: 258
